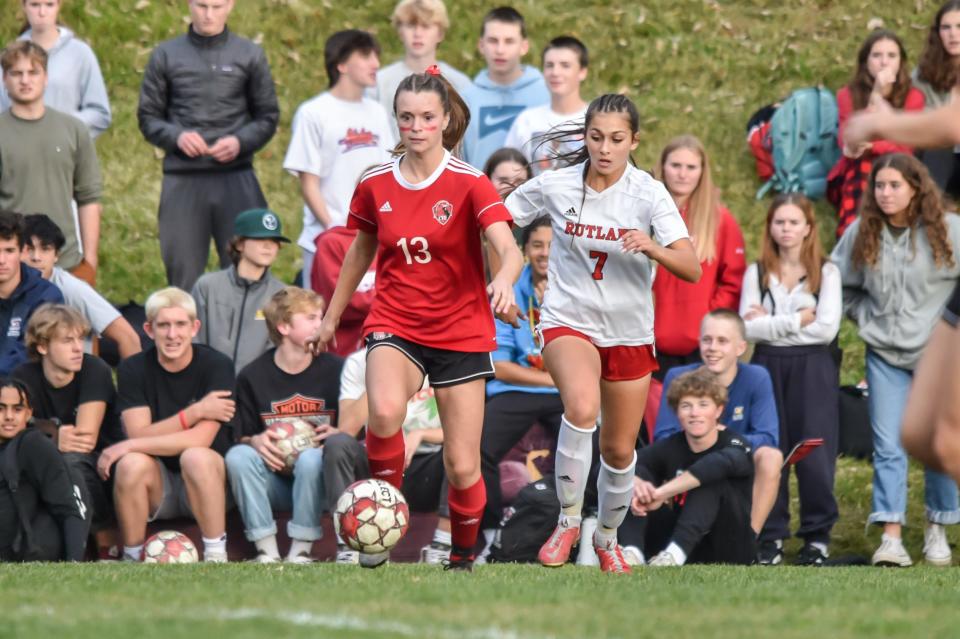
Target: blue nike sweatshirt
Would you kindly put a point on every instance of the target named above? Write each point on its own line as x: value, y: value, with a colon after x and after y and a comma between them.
x: 494, y: 107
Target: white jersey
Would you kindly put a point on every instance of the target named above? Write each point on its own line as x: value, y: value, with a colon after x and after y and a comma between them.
x: 527, y: 130
x: 593, y: 286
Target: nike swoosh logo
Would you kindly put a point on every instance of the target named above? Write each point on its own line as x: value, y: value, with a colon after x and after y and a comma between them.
x: 492, y: 121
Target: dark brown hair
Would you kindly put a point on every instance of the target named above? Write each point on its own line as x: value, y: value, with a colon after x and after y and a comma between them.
x: 453, y: 105
x: 23, y: 49
x: 697, y: 383
x: 861, y: 85
x: 936, y: 66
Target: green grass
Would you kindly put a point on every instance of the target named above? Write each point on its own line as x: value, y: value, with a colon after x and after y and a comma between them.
x: 240, y: 601
x: 699, y: 66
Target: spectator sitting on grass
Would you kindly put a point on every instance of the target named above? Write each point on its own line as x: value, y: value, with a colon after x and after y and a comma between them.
x: 44, y: 242
x: 705, y: 473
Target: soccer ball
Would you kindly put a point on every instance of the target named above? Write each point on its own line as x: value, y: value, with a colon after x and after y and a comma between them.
x: 296, y: 436
x: 169, y: 547
x: 371, y: 516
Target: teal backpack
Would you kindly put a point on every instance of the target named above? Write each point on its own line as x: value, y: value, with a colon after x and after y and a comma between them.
x: 803, y: 134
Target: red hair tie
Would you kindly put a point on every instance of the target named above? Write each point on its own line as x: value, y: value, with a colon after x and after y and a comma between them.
x: 433, y: 70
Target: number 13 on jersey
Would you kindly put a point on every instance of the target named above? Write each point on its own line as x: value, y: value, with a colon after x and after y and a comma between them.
x: 421, y: 250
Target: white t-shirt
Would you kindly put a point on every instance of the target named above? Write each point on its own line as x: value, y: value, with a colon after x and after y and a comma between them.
x: 531, y: 124
x: 390, y: 77
x: 593, y: 286
x: 83, y: 297
x: 421, y: 409
x: 336, y: 140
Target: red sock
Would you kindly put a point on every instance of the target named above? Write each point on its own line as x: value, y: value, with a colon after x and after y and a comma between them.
x: 386, y: 455
x: 466, y: 512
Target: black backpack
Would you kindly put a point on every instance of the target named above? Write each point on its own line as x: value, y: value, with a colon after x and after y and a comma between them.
x: 527, y: 524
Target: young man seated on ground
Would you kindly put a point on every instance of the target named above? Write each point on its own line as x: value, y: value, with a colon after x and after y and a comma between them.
x: 175, y: 403
x: 229, y: 301
x: 699, y: 481
x: 285, y: 384
x: 45, y: 240
x: 424, y: 481
x: 750, y: 411
x: 73, y: 395
x: 22, y: 291
x: 43, y: 517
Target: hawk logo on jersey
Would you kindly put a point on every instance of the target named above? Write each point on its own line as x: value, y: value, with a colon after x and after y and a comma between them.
x: 442, y: 211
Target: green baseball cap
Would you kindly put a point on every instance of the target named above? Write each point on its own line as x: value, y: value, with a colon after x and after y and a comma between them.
x: 259, y: 224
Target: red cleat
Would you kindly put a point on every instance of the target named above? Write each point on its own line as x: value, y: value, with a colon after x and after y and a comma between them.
x: 556, y: 551
x: 612, y: 559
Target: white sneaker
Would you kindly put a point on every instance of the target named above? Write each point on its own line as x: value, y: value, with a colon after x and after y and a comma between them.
x: 434, y: 554
x: 936, y: 550
x: 265, y: 558
x: 300, y: 559
x: 587, y: 555
x: 662, y: 559
x: 891, y: 553
x: 633, y: 555
x: 346, y: 555
x: 374, y: 559
x: 214, y: 557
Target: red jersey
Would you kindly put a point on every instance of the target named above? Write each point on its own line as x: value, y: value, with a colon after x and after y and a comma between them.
x: 430, y: 276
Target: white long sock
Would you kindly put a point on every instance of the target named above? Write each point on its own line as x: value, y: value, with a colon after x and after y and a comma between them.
x: 574, y: 453
x: 615, y: 488
x: 268, y: 546
x: 299, y: 547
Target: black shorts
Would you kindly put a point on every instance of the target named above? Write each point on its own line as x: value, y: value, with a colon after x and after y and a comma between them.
x: 445, y: 368
x: 951, y: 314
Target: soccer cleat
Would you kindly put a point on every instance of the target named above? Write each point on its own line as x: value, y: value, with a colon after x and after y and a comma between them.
x: 936, y: 550
x: 811, y: 555
x: 214, y: 557
x: 266, y: 558
x: 663, y: 559
x: 374, y: 559
x: 770, y: 553
x: 434, y: 554
x: 891, y: 553
x: 556, y: 551
x: 346, y: 555
x: 459, y: 561
x: 611, y: 558
x: 302, y: 558
x: 632, y: 554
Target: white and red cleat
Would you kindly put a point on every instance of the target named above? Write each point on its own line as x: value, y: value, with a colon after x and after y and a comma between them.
x: 611, y: 558
x: 556, y: 551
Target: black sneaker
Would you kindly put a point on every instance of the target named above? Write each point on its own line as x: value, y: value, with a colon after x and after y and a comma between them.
x: 770, y: 553
x: 810, y: 555
x: 459, y: 561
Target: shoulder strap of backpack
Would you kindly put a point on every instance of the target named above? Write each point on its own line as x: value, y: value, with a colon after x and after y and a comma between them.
x: 764, y: 290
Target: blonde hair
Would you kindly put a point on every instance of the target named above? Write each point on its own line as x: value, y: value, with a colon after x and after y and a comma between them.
x: 703, y: 207
x: 47, y: 320
x: 284, y: 304
x: 425, y: 12
x: 170, y: 297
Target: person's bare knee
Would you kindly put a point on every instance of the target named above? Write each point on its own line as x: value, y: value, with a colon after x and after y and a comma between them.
x: 767, y: 462
x: 463, y: 468
x: 200, y: 466
x: 133, y: 471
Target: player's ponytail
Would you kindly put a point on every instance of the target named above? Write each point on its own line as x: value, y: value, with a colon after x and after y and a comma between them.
x: 453, y: 105
x: 565, y: 134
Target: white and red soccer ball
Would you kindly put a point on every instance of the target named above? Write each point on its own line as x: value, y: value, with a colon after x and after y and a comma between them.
x: 169, y: 547
x: 296, y: 435
x: 371, y: 516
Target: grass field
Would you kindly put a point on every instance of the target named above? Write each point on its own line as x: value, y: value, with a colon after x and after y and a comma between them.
x: 522, y: 602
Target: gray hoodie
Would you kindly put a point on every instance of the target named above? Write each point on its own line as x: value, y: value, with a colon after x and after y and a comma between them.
x: 74, y: 83
x: 230, y: 312
x: 897, y: 302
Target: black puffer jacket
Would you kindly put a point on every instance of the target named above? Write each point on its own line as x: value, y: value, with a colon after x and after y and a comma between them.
x: 219, y: 85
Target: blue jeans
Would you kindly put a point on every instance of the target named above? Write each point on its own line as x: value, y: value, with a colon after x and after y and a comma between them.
x: 889, y: 387
x: 259, y: 491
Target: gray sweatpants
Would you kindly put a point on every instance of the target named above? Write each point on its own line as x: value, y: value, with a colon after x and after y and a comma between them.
x: 195, y: 207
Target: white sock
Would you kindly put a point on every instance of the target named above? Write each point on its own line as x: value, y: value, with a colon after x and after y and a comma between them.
x: 892, y: 539
x: 574, y: 454
x: 489, y: 534
x: 299, y: 547
x: 442, y: 537
x: 218, y: 545
x: 675, y: 551
x: 267, y: 546
x: 615, y: 489
x: 822, y: 547
x: 133, y: 553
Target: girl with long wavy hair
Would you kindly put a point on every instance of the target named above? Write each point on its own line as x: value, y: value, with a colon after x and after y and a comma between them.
x: 792, y: 305
x: 936, y: 75
x: 880, y: 76
x: 898, y: 263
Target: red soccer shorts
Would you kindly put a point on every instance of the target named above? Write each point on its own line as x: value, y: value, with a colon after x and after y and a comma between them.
x: 617, y: 363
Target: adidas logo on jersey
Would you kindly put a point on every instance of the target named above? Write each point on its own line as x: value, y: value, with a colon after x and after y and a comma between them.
x: 571, y: 212
x: 386, y: 208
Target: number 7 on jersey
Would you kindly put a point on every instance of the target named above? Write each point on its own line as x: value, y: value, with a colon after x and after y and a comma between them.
x: 601, y: 258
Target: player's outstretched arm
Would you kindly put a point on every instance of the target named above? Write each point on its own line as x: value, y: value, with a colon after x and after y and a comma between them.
x: 930, y: 129
x: 511, y: 263
x: 355, y: 264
